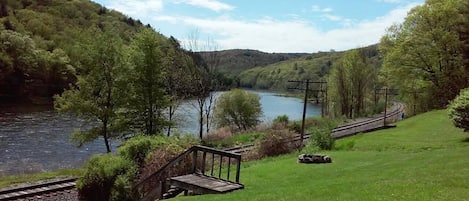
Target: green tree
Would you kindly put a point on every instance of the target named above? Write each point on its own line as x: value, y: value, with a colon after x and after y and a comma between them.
x: 425, y: 53
x: 147, y: 98
x: 18, y: 60
x: 177, y: 83
x: 459, y: 110
x: 238, y: 108
x: 351, y: 83
x: 98, y: 94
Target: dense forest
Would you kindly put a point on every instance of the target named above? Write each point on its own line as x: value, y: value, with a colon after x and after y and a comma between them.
x: 43, y: 43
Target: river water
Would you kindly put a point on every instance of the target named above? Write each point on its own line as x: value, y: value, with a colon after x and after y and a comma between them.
x: 36, y: 138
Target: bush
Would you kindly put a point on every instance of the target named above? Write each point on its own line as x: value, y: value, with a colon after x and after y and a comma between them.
x: 282, y: 119
x: 107, y: 177
x: 224, y: 138
x: 161, y: 155
x: 321, y: 135
x: 218, y: 137
x: 137, y: 148
x: 309, y: 122
x: 459, y: 110
x: 276, y: 142
x: 110, y: 177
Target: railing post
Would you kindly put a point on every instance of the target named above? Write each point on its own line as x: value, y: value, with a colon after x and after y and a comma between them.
x: 194, y: 161
x: 238, y: 168
x: 229, y: 166
x: 213, y: 161
x: 219, y: 166
x: 204, y: 157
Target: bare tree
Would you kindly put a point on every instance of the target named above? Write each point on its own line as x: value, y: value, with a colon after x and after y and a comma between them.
x: 204, y: 81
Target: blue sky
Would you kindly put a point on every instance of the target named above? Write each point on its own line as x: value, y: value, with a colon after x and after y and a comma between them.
x: 269, y: 25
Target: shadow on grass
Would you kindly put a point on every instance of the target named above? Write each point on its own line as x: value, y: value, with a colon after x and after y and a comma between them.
x: 466, y: 140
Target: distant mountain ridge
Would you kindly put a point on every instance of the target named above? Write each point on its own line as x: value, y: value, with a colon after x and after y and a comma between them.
x: 236, y: 61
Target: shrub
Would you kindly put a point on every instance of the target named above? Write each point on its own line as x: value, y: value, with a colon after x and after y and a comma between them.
x: 161, y: 155
x: 224, y: 138
x: 277, y: 142
x: 282, y: 119
x: 107, y: 177
x: 137, y: 148
x: 309, y: 122
x: 459, y: 110
x: 218, y: 137
x: 321, y: 135
x: 295, y: 126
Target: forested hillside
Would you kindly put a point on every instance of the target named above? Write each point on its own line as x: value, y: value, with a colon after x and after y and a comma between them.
x: 314, y: 67
x: 43, y: 43
x: 235, y: 61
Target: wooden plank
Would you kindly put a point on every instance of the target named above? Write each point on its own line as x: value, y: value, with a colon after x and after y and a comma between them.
x: 204, y: 185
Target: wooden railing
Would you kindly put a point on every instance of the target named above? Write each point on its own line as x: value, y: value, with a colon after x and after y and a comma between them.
x: 204, y: 160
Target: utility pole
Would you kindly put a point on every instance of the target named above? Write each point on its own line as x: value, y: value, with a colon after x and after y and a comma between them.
x: 385, y: 105
x: 306, y: 89
x: 415, y: 92
x: 386, y: 92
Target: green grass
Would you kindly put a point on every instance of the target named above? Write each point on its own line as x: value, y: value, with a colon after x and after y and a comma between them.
x: 15, y: 179
x: 424, y: 158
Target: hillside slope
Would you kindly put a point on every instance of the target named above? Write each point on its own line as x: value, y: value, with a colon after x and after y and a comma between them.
x: 43, y: 43
x: 237, y: 60
x: 314, y: 67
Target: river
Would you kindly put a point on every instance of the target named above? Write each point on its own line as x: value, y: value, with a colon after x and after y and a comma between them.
x: 37, y: 139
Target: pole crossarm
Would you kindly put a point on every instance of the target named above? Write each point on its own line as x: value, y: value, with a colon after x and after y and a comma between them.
x: 306, y: 90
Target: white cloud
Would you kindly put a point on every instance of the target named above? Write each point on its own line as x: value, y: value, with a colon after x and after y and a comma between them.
x: 210, y: 4
x: 144, y: 8
x: 332, y: 17
x: 316, y: 8
x: 139, y: 8
x: 272, y: 35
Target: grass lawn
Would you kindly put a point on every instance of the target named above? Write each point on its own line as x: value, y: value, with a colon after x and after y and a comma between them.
x: 424, y: 158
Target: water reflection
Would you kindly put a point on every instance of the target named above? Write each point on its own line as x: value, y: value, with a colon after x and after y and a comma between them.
x: 34, y: 139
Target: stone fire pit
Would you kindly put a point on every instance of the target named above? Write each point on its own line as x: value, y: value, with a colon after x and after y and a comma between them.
x: 314, y: 158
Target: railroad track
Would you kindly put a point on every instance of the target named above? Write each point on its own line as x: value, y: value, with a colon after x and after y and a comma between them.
x: 30, y: 192
x: 342, y: 131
